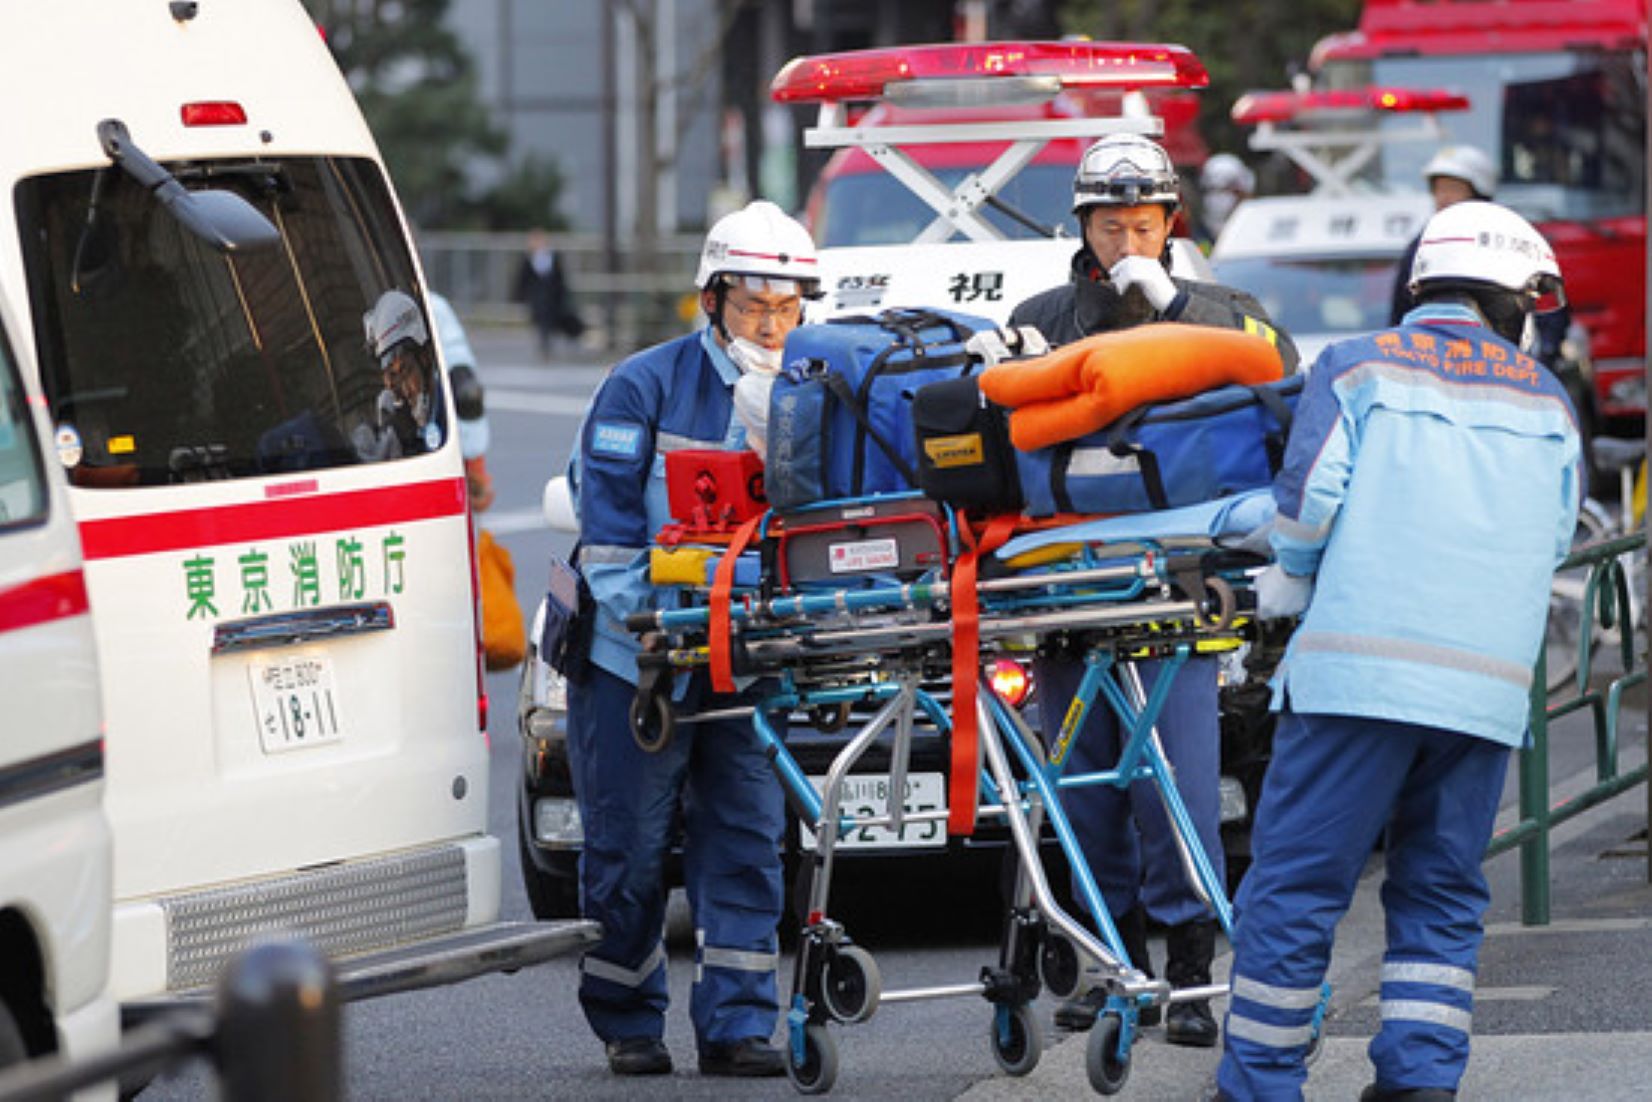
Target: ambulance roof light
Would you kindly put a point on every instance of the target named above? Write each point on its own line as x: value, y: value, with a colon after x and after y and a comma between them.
x: 1255, y: 108
x: 866, y: 74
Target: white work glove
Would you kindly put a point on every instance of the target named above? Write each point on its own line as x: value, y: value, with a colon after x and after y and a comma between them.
x: 991, y: 346
x: 751, y: 405
x: 1149, y: 275
x: 1281, y: 596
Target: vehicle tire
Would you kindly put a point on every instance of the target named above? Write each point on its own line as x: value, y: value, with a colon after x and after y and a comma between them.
x: 850, y: 984
x: 1017, y: 1041
x: 1107, y: 1068
x: 818, y: 1071
x: 12, y: 1048
x: 549, y: 897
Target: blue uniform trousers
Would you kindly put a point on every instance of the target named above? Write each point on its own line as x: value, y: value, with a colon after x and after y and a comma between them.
x: 732, y: 814
x: 1334, y: 785
x: 1137, y: 862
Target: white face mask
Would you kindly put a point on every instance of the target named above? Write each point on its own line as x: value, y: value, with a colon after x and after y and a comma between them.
x: 751, y: 356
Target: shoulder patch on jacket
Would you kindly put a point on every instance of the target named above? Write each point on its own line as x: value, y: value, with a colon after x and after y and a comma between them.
x: 617, y: 439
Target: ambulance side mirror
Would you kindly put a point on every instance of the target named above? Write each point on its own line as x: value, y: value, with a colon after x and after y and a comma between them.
x: 559, y: 505
x: 222, y: 219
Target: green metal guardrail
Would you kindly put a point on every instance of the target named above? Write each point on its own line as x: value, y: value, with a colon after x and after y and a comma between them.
x: 1606, y: 606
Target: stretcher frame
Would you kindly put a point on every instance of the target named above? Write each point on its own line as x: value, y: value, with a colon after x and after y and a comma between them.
x: 880, y: 644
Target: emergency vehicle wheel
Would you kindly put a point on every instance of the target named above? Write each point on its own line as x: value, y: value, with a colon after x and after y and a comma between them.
x: 1058, y: 965
x: 818, y: 1071
x: 850, y: 985
x: 1106, y: 1066
x: 1017, y: 1042
x: 652, y: 723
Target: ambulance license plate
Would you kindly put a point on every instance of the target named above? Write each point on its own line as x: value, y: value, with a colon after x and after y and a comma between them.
x: 296, y: 702
x: 867, y: 794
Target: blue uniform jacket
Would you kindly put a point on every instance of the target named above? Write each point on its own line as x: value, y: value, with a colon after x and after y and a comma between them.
x: 1431, y: 485
x: 667, y: 398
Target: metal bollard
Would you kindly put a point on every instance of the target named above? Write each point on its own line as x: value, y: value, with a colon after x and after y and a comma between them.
x: 278, y: 1026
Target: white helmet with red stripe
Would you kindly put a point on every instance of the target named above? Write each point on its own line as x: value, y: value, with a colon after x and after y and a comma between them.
x: 760, y: 243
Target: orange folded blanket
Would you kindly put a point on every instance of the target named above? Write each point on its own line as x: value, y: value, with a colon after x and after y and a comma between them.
x: 1086, y: 385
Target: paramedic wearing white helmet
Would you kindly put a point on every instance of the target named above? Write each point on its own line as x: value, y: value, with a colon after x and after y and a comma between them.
x: 407, y: 418
x: 757, y: 267
x: 1429, y: 490
x: 1125, y: 197
x: 1224, y: 183
x: 1455, y: 174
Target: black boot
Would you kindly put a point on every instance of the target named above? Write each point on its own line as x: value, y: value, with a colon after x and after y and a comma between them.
x: 1190, y: 948
x: 1079, y: 1014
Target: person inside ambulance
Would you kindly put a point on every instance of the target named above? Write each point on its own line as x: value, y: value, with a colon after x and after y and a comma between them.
x: 1456, y: 174
x: 1125, y: 198
x: 1430, y: 488
x: 407, y: 415
x: 756, y: 269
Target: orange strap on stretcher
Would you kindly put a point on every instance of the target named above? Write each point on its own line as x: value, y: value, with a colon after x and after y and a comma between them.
x: 721, y: 625
x: 964, y: 787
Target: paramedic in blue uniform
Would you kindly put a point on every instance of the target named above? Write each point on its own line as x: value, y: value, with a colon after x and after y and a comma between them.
x: 1125, y: 197
x: 1429, y: 490
x: 756, y: 268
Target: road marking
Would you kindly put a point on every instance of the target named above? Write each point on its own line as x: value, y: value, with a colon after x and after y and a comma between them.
x: 1488, y: 995
x: 530, y: 401
x: 509, y: 522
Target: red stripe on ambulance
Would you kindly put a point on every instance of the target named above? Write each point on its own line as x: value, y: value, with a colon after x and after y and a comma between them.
x: 267, y: 520
x: 42, y: 600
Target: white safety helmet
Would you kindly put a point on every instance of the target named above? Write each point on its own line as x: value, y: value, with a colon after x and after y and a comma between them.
x: 1125, y: 170
x: 1465, y: 163
x: 1479, y: 242
x: 1225, y: 172
x: 394, y: 318
x: 763, y: 246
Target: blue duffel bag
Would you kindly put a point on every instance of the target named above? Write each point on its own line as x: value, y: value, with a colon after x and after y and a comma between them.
x: 1167, y: 454
x: 840, y: 413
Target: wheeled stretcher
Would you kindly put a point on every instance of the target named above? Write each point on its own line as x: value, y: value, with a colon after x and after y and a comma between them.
x: 888, y: 608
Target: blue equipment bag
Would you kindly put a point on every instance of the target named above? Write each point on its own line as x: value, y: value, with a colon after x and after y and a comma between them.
x: 840, y: 413
x: 1167, y: 454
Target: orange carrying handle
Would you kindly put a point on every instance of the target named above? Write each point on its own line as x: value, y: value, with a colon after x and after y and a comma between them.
x: 964, y: 786
x: 1084, y: 386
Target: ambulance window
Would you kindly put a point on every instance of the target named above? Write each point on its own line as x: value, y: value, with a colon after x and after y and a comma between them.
x: 22, y: 487
x: 174, y: 363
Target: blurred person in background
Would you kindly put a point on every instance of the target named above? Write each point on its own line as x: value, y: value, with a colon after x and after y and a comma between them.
x: 1224, y: 183
x: 542, y: 286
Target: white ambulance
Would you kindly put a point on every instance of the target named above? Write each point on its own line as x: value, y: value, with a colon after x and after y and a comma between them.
x: 273, y: 515
x: 54, y: 839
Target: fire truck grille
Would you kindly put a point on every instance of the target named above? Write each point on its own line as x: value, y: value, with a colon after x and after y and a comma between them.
x: 344, y: 910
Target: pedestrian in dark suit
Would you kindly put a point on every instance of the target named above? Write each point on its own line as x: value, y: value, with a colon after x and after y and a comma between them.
x: 542, y: 285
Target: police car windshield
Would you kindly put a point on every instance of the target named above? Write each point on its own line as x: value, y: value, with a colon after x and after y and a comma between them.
x: 874, y: 208
x: 165, y: 361
x: 1568, y: 129
x: 1317, y: 296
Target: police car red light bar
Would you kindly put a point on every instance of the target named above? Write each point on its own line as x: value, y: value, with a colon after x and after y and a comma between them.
x: 214, y: 113
x: 1259, y: 107
x: 863, y: 74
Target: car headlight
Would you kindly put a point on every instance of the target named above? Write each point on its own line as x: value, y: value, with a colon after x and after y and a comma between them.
x: 556, y: 822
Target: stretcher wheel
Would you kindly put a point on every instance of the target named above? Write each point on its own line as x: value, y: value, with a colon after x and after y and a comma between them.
x: 1058, y: 966
x: 652, y: 723
x: 1107, y: 1067
x: 850, y: 985
x: 1017, y: 1042
x: 1220, y: 593
x: 817, y: 1071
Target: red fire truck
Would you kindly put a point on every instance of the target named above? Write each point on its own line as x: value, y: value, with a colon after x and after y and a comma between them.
x: 1557, y: 92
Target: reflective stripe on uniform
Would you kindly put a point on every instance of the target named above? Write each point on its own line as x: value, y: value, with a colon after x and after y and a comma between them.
x: 1439, y: 975
x: 1269, y: 1036
x: 618, y: 974
x: 1284, y: 998
x: 1419, y: 1010
x: 735, y: 960
x: 674, y: 442
x: 594, y: 554
x: 1257, y: 328
x: 1409, y: 650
